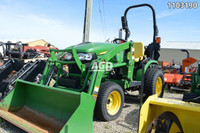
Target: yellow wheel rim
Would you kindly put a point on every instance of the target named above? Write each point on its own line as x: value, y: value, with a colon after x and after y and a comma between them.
x: 113, y: 102
x: 158, y: 88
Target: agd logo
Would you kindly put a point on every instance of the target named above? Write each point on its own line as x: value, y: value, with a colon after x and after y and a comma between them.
x: 102, y: 66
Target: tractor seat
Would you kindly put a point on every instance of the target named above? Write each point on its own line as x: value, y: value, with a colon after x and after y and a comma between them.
x: 139, y: 51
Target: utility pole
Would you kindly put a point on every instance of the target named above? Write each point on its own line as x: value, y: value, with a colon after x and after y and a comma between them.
x: 87, y: 20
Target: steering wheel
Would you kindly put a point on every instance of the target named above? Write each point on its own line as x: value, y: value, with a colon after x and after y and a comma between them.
x: 118, y: 39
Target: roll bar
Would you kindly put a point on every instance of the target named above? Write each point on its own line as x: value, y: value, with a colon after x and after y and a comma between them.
x: 125, y: 22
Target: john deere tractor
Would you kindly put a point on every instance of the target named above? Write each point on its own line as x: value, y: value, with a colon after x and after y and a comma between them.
x: 86, y: 79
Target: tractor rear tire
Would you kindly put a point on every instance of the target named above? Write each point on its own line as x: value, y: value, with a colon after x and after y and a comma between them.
x: 110, y: 101
x: 153, y: 82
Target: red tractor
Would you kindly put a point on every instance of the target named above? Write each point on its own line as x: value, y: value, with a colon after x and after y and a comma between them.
x: 40, y: 49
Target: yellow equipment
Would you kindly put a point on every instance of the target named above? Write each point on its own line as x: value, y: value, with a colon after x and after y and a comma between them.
x: 169, y: 116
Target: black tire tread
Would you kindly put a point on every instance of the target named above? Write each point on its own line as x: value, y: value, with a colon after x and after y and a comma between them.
x: 149, y: 81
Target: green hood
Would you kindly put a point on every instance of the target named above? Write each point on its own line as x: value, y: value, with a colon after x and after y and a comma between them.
x: 94, y: 47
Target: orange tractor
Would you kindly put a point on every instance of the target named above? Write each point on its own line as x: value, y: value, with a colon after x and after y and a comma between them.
x: 180, y: 78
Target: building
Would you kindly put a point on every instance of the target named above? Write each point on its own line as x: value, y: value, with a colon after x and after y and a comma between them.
x: 172, y: 51
x: 40, y: 42
x: 30, y: 42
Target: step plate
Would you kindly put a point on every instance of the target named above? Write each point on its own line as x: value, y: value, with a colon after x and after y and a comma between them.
x: 135, y: 83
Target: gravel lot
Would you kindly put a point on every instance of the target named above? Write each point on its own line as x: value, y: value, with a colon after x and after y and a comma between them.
x: 128, y: 120
x: 126, y: 123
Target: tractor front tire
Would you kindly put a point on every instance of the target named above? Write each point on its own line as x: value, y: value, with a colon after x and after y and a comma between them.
x: 109, y: 102
x: 153, y: 82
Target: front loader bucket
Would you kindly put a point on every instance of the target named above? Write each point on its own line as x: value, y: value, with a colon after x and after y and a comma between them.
x: 38, y: 108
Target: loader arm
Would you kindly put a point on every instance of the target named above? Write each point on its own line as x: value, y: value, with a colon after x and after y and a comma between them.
x: 55, y: 61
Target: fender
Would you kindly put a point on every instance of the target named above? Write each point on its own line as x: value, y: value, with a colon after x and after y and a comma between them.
x: 149, y: 63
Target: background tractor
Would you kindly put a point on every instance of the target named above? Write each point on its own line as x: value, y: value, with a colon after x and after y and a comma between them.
x: 172, y: 116
x: 86, y: 79
x: 179, y: 78
x: 194, y: 95
x: 18, y: 63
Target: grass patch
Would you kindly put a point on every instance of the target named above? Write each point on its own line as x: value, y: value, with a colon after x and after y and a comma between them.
x: 107, y: 126
x: 134, y: 112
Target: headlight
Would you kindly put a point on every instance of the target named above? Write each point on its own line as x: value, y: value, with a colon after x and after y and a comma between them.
x: 85, y: 56
x: 68, y: 56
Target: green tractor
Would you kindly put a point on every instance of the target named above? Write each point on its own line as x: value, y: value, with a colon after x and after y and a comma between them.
x: 194, y: 95
x: 85, y: 80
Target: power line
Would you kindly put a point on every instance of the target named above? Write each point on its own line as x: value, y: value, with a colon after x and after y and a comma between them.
x: 102, y: 17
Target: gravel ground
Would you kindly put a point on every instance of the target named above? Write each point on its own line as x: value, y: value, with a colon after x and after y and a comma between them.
x: 126, y: 123
x: 128, y: 120
x: 6, y: 127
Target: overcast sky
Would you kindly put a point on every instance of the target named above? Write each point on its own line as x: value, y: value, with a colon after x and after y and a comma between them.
x: 60, y: 22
